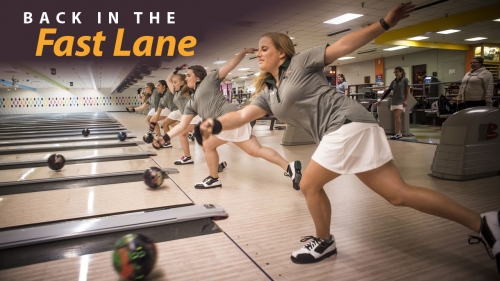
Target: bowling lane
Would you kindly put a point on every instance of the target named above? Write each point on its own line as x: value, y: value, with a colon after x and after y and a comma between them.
x: 63, y: 144
x: 56, y: 205
x: 69, y: 153
x: 80, y: 138
x: 26, y: 174
x: 206, y: 257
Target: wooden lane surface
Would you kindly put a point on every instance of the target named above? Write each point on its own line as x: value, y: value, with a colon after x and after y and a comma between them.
x: 69, y: 153
x: 376, y: 241
x: 207, y: 257
x: 66, y: 204
x: 55, y: 144
x: 24, y: 174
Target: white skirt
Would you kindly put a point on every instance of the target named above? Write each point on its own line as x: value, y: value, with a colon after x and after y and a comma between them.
x: 399, y: 106
x: 174, y: 115
x: 197, y: 119
x: 354, y: 148
x: 164, y: 112
x: 243, y: 133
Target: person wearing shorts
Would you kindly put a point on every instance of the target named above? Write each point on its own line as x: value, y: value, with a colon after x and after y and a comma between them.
x: 293, y: 88
x: 401, y: 92
x: 207, y: 101
x: 151, y: 102
x: 176, y: 84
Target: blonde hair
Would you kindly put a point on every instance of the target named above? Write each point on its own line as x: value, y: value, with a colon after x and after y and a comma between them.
x: 281, y: 42
x: 184, y: 88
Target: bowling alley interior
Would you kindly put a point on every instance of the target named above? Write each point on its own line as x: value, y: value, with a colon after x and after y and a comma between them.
x: 87, y: 193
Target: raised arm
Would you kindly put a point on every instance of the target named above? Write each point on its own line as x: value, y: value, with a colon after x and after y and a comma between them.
x: 170, y: 84
x: 234, y: 61
x: 359, y: 38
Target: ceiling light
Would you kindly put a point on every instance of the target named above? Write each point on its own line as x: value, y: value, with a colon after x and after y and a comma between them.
x: 346, y: 58
x: 416, y: 38
x: 497, y: 20
x: 367, y: 51
x: 244, y: 68
x: 339, y: 31
x: 206, y: 67
x: 229, y: 73
x: 476, y: 39
x: 243, y: 77
x: 343, y: 18
x: 220, y: 62
x: 292, y: 38
x: 257, y: 74
x: 396, y: 48
x: 448, y: 31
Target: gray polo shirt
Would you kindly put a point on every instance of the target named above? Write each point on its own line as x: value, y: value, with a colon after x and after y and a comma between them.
x: 167, y: 101
x: 180, y: 101
x: 342, y: 87
x: 208, y: 100
x: 304, y: 98
x: 399, y: 90
x: 154, y: 99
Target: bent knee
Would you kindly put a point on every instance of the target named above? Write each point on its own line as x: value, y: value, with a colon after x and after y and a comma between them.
x: 396, y: 201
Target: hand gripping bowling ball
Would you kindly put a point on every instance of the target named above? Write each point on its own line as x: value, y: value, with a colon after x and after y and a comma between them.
x: 148, y: 137
x: 85, y: 132
x: 153, y: 177
x: 56, y: 162
x: 122, y: 136
x: 134, y: 256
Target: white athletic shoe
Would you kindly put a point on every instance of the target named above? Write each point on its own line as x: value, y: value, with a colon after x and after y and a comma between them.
x: 489, y: 235
x: 314, y: 251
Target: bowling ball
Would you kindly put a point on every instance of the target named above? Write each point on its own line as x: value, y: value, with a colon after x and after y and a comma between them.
x: 153, y: 177
x: 148, y: 137
x: 122, y: 136
x: 56, y: 162
x: 134, y: 256
x: 86, y: 132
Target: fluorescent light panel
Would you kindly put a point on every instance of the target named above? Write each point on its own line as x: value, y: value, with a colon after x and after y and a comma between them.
x: 244, y: 68
x: 343, y: 18
x: 416, y: 38
x: 220, y: 62
x: 448, y: 31
x: 346, y: 58
x: 367, y: 51
x: 396, y: 48
x: 497, y: 20
x: 476, y: 39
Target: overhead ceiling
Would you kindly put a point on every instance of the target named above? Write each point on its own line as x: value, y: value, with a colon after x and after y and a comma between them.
x: 302, y: 20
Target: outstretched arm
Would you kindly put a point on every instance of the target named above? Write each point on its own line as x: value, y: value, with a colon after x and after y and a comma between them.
x: 234, y: 61
x: 179, y: 128
x: 232, y: 120
x: 357, y: 39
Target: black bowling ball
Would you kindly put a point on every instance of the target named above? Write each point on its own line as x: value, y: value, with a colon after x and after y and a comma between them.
x: 148, y: 137
x: 153, y: 177
x: 86, y: 132
x: 56, y: 162
x: 122, y: 136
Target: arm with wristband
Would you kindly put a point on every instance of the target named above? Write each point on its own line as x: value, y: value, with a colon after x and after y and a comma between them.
x: 359, y: 38
x: 179, y: 128
x: 229, y: 121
